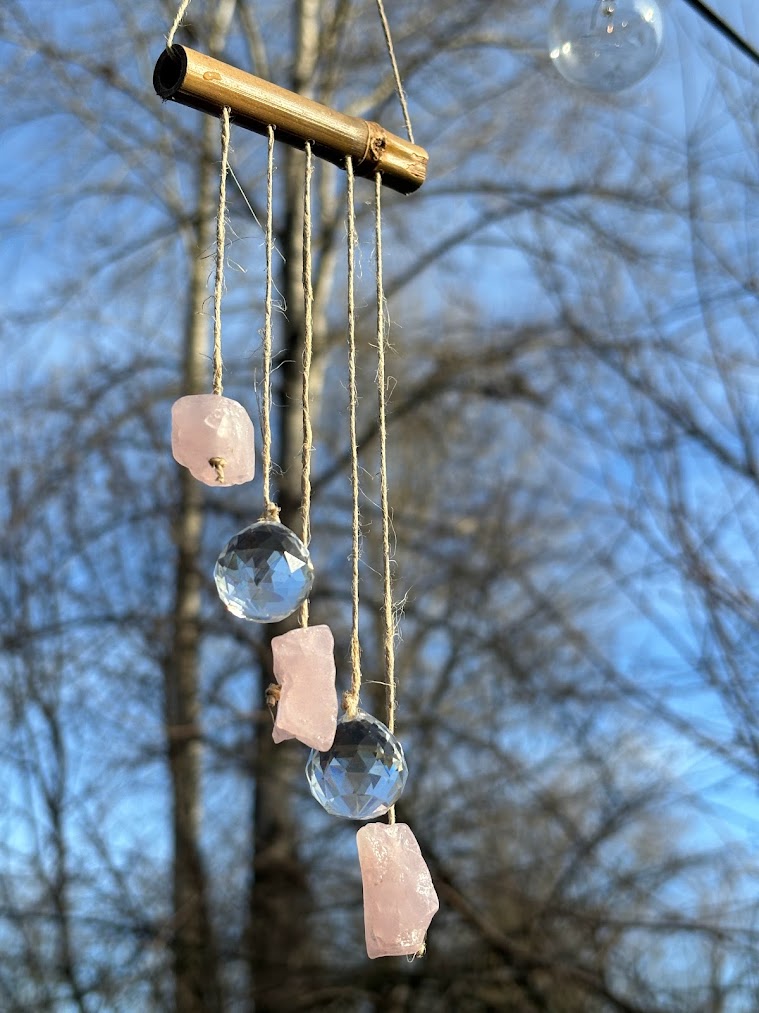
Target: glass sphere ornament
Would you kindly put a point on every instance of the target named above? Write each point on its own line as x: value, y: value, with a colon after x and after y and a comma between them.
x: 265, y: 573
x: 605, y: 45
x: 363, y: 772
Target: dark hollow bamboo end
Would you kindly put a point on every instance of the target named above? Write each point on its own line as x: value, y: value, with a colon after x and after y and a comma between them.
x: 201, y: 82
x: 170, y: 70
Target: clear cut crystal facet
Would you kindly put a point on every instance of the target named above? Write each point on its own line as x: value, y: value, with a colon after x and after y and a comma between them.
x: 362, y: 774
x: 264, y: 573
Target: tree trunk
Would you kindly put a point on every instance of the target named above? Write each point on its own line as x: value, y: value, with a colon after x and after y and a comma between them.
x: 196, y: 984
x: 280, y: 899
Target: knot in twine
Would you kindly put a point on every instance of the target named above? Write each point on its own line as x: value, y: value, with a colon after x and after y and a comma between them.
x: 419, y: 953
x: 273, y: 693
x: 350, y: 703
x: 218, y: 463
x: 271, y: 513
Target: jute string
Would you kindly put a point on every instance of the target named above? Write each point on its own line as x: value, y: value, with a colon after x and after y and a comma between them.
x: 217, y: 463
x: 351, y: 698
x: 387, y: 586
x: 396, y: 72
x: 221, y: 229
x: 177, y: 22
x: 308, y: 350
x: 271, y: 510
x: 387, y: 599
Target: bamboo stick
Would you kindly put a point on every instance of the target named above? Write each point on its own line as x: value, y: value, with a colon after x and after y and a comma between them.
x: 194, y: 79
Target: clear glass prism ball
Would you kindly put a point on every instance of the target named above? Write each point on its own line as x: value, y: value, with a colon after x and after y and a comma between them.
x: 265, y: 573
x: 605, y: 45
x: 363, y: 772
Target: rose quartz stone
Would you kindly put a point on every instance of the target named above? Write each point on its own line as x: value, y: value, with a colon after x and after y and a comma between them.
x: 304, y: 666
x: 399, y: 898
x: 205, y: 426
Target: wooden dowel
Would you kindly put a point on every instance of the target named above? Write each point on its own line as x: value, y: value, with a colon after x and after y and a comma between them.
x: 193, y: 79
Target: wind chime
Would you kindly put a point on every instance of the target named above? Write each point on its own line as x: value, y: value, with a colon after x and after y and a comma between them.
x: 357, y: 769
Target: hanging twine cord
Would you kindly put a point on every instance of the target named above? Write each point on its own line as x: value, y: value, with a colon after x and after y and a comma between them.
x: 221, y: 230
x: 308, y: 350
x: 387, y: 586
x: 387, y: 595
x: 271, y: 510
x: 177, y: 22
x: 351, y: 698
x: 396, y: 72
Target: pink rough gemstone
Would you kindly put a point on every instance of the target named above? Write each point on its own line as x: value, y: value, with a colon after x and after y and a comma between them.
x: 209, y: 427
x: 304, y: 666
x: 399, y: 898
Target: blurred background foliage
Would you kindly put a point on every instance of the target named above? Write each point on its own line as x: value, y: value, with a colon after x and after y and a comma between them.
x: 573, y: 441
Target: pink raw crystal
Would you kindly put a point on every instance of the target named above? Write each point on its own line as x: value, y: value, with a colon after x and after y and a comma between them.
x: 304, y: 666
x: 399, y: 898
x: 206, y: 427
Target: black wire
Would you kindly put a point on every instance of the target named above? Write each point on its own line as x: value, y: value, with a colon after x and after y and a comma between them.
x: 717, y: 22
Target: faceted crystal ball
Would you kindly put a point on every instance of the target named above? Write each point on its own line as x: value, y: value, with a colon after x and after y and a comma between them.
x: 362, y: 774
x: 208, y: 428
x: 605, y: 45
x: 264, y: 573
